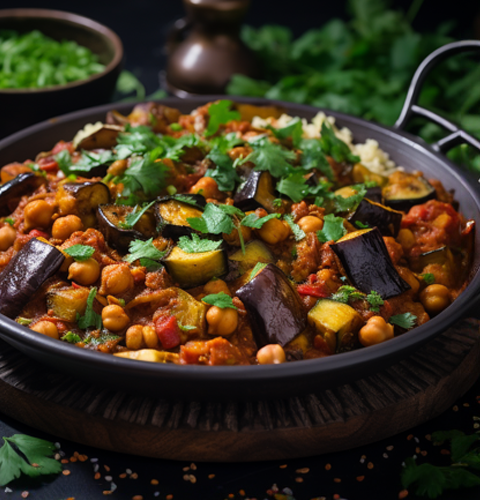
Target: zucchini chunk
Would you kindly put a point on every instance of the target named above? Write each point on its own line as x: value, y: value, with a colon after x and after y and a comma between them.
x: 194, y: 269
x: 82, y: 199
x: 374, y: 214
x: 13, y: 190
x: 172, y: 214
x: 407, y: 190
x: 66, y: 301
x: 276, y: 311
x: 336, y: 322
x: 368, y: 265
x: 25, y: 274
x: 255, y: 251
x: 256, y: 192
x: 110, y: 219
x: 190, y: 313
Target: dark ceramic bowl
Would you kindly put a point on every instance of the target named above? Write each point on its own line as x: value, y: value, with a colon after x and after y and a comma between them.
x: 24, y: 107
x: 248, y: 382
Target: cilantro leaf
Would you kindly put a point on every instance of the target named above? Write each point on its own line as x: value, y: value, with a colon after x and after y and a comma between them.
x: 231, y: 210
x: 197, y: 245
x: 346, y: 293
x: 221, y: 300
x: 298, y: 233
x: 335, y: 147
x: 294, y: 185
x: 176, y: 127
x: 220, y: 113
x: 137, y: 141
x: 293, y: 129
x: 253, y: 220
x: 90, y: 318
x: 71, y: 337
x: 428, y: 278
x: 375, y: 301
x: 224, y: 172
x: 343, y: 204
x: 147, y: 253
x: 80, y: 252
x: 175, y: 147
x: 333, y: 229
x: 37, y: 451
x: 224, y: 143
x: 313, y: 157
x: 213, y: 220
x: 405, y: 320
x: 269, y: 156
x: 258, y: 267
x: 190, y: 200
x: 132, y: 218
x: 9, y: 221
x: 361, y: 225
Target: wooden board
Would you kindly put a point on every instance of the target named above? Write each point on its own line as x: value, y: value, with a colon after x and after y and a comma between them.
x: 391, y: 401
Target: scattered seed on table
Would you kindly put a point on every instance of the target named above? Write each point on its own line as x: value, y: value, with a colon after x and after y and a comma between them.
x: 137, y: 497
x: 107, y: 468
x: 107, y: 492
x: 134, y: 475
x: 186, y: 469
x: 97, y: 476
x: 128, y: 471
x: 57, y: 456
x: 123, y: 475
x: 108, y: 478
x: 299, y: 479
x: 211, y: 476
x: 25, y: 494
x: 455, y: 408
x: 193, y: 466
x: 242, y: 493
x: 337, y: 480
x: 370, y: 465
x: 73, y: 459
x: 409, y: 437
x: 417, y: 450
x: 83, y: 458
x: 445, y: 452
x: 476, y: 425
x: 360, y: 478
x: 403, y: 494
x: 156, y: 494
x: 328, y: 467
x: 94, y: 460
x: 428, y: 437
x: 96, y: 467
x: 423, y: 453
x: 64, y: 461
x: 466, y: 405
x: 66, y: 472
x: 284, y: 466
x: 304, y: 470
x: 385, y: 455
x: 389, y: 448
x: 154, y: 481
x: 169, y: 497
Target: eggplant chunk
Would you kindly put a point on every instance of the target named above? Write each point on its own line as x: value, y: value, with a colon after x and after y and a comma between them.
x: 376, y: 215
x: 276, y: 311
x: 110, y: 220
x: 12, y: 191
x: 336, y: 322
x: 66, y: 302
x: 405, y: 190
x: 82, y: 199
x: 368, y: 265
x: 97, y: 136
x: 190, y: 313
x: 255, y: 251
x: 256, y: 192
x: 25, y: 274
x: 172, y: 214
x: 194, y: 269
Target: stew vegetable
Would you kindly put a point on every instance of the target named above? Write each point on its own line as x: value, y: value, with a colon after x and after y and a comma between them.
x: 233, y: 235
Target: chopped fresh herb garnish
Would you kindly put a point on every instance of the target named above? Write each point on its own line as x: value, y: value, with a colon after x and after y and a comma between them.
x: 346, y: 293
x: 137, y: 141
x: 294, y: 130
x: 147, y: 253
x: 224, y: 172
x: 132, y: 218
x: 298, y: 233
x: 258, y: 267
x: 71, y: 337
x: 186, y: 328
x: 375, y: 301
x: 90, y: 318
x: 195, y: 244
x: 80, y: 252
x: 231, y: 210
x: 405, y: 320
x: 253, y: 220
x: 176, y: 127
x: 361, y: 225
x: 10, y: 221
x: 171, y: 190
x: 277, y: 203
x: 214, y: 220
x: 220, y: 113
x: 335, y: 147
x: 271, y: 157
x: 224, y: 143
x: 333, y: 229
x: 431, y: 480
x: 313, y: 157
x: 34, y: 460
x: 294, y: 185
x: 103, y: 338
x: 345, y: 204
x: 24, y: 321
x: 221, y: 300
x: 428, y: 278
x: 185, y: 198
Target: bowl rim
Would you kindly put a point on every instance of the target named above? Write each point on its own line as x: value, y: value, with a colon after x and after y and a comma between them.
x: 68, y: 18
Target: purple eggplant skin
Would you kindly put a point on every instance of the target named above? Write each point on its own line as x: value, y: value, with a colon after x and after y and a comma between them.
x: 21, y: 185
x: 256, y: 192
x: 368, y: 266
x: 276, y: 311
x: 171, y: 228
x: 25, y: 274
x: 376, y: 215
x: 375, y: 194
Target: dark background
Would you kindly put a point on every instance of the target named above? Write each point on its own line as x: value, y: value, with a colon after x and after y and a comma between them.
x: 143, y: 25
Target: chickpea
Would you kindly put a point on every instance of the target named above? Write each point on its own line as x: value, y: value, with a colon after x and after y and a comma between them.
x: 134, y: 337
x: 114, y: 318
x: 239, y: 152
x: 233, y: 238
x: 376, y: 330
x: 435, y: 298
x: 84, y: 273
x: 38, y: 213
x: 116, y: 279
x: 271, y: 354
x: 222, y: 321
x: 207, y: 187
x: 64, y: 227
x: 406, y: 238
x: 310, y: 224
x: 117, y: 167
x: 216, y: 286
x: 47, y: 328
x: 274, y: 231
x: 7, y: 237
x: 150, y: 336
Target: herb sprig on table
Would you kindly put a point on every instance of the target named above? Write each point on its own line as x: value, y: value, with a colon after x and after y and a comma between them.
x: 364, y: 67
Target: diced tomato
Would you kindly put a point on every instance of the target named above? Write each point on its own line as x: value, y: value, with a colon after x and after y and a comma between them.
x: 314, y: 291
x: 61, y: 145
x: 48, y: 164
x: 321, y: 345
x: 168, y: 331
x: 74, y: 285
x: 36, y: 233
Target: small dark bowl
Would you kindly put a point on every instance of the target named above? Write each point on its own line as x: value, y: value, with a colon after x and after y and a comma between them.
x: 23, y: 107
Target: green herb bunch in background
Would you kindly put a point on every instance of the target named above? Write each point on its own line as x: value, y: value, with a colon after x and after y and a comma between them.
x: 364, y: 67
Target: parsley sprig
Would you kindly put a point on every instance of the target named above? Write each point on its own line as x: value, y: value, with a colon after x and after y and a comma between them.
x: 221, y: 300
x: 80, y: 252
x: 147, y: 253
x: 195, y: 244
x: 90, y: 318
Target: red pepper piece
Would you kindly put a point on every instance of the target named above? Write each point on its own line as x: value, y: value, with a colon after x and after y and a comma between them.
x: 36, y: 233
x: 48, y: 164
x: 168, y: 331
x: 314, y: 291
